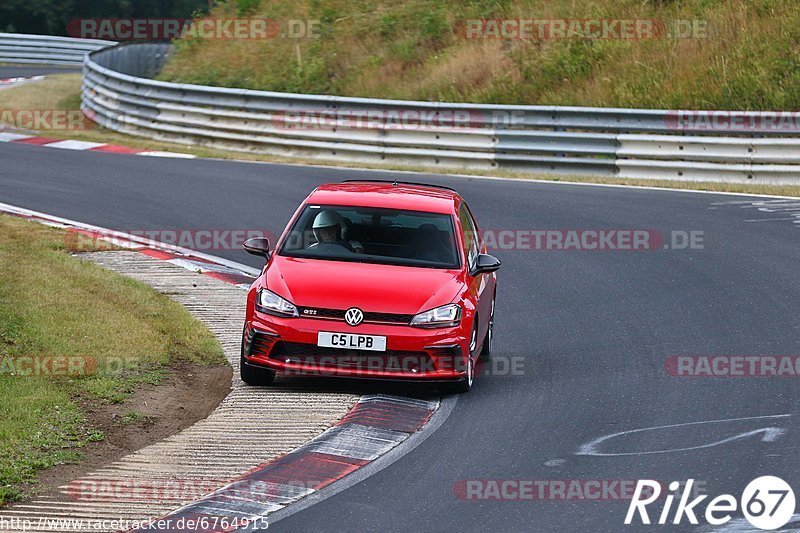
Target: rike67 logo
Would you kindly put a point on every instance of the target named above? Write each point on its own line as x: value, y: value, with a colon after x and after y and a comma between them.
x: 767, y: 503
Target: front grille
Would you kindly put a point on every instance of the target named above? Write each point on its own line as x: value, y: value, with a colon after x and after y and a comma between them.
x: 316, y: 356
x: 387, y: 317
x: 321, y: 313
x: 338, y: 314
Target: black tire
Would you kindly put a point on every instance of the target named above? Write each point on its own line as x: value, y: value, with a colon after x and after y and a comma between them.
x: 253, y: 375
x: 486, y: 348
x: 464, y: 385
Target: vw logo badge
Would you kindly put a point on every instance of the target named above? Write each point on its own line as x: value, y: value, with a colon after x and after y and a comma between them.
x: 353, y: 316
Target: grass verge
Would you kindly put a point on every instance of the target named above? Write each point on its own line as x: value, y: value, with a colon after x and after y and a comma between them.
x: 62, y: 92
x: 73, y: 334
x: 701, y: 54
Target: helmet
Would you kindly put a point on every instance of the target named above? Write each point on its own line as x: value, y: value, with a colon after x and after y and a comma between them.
x: 327, y: 219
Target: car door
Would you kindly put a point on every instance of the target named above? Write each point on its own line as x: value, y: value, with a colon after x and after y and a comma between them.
x: 482, y: 285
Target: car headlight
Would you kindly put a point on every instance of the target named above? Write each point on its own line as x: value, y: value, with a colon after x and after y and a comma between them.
x: 270, y: 303
x: 440, y: 317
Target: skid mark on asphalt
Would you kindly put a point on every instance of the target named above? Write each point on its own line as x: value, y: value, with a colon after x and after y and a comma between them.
x: 767, y: 210
x: 769, y: 433
x: 741, y: 525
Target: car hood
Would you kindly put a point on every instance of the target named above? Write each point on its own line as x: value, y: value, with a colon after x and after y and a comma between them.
x: 370, y: 287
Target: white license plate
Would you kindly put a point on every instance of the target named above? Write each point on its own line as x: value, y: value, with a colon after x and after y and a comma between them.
x: 351, y: 341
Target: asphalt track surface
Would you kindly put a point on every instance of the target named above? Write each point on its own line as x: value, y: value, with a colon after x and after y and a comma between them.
x: 592, y: 329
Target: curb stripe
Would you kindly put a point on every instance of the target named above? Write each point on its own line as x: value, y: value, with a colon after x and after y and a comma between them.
x: 396, y: 418
x: 235, y: 279
x: 313, y: 469
x: 7, y: 137
x: 38, y: 141
x: 74, y: 145
x: 88, y: 146
x: 105, y: 232
x: 156, y: 153
x: 373, y: 427
x: 114, y: 149
x: 227, y: 271
x: 158, y: 254
x: 355, y: 441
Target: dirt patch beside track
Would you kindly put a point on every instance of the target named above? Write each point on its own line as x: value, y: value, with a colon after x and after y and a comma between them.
x: 165, y: 410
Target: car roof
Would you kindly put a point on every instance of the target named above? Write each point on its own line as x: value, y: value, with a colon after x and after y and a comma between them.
x: 389, y: 195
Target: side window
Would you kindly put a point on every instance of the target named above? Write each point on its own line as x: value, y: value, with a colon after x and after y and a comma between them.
x: 470, y: 235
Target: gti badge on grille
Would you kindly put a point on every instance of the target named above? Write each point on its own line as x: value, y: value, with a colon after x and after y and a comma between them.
x: 353, y: 316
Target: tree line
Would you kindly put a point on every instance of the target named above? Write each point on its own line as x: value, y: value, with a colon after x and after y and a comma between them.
x: 51, y: 17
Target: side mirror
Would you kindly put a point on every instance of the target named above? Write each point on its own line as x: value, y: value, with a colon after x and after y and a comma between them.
x: 485, y: 264
x: 257, y: 246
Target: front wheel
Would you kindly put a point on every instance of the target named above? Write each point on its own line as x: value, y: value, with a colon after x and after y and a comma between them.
x: 253, y: 375
x: 464, y: 385
x: 486, y: 349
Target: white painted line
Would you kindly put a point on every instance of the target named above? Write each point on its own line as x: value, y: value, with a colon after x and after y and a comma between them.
x: 53, y: 224
x: 121, y: 243
x: 6, y: 137
x: 168, y: 154
x: 201, y: 266
x: 769, y: 219
x: 248, y: 270
x: 74, y: 145
x: 187, y: 264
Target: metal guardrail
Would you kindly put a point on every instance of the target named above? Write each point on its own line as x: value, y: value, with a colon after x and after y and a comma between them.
x: 119, y: 92
x: 44, y: 49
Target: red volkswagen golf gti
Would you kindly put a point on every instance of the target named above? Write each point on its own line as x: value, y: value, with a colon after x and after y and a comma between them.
x: 373, y: 280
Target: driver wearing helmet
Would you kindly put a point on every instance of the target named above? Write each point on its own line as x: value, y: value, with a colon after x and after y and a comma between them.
x: 330, y: 228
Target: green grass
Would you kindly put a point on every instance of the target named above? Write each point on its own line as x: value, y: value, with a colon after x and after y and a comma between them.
x: 111, y: 333
x: 133, y: 417
x: 748, y: 56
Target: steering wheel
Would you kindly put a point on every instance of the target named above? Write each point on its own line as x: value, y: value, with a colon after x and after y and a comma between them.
x: 322, y: 246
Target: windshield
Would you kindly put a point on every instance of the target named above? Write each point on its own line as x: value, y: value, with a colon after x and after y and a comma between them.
x: 373, y: 235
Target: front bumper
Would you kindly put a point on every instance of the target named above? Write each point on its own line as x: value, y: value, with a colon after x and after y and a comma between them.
x: 289, y: 346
